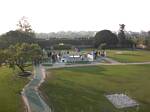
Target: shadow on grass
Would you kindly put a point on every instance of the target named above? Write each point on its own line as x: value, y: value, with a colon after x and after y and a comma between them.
x: 25, y: 74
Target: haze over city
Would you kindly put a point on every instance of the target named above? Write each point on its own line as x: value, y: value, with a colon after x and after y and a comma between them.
x: 76, y: 15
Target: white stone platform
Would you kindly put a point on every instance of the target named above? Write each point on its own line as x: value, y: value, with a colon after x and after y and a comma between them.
x: 121, y: 101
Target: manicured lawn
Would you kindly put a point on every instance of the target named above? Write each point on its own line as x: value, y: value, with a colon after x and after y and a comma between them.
x: 129, y: 55
x: 10, y: 88
x: 82, y: 89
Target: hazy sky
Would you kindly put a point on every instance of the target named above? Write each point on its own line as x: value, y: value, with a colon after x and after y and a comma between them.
x: 76, y: 15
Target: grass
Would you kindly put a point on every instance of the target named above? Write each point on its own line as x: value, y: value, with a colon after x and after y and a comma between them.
x: 129, y: 55
x: 10, y: 88
x: 82, y: 89
x: 47, y: 64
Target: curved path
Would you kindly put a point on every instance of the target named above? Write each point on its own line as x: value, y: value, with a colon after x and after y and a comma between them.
x: 94, y: 64
x: 30, y: 95
x: 111, y: 62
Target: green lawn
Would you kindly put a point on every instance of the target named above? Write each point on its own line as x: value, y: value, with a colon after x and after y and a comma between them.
x: 129, y: 55
x: 10, y: 88
x: 82, y: 89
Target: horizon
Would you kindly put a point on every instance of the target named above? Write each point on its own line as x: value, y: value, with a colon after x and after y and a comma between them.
x: 46, y: 16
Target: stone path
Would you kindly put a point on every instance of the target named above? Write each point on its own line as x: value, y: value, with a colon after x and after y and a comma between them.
x: 111, y: 62
x: 31, y: 97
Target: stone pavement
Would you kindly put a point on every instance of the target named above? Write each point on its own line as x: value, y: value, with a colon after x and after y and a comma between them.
x: 30, y: 94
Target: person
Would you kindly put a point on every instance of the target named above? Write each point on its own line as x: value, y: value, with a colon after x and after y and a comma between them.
x: 53, y: 58
x: 104, y: 53
x: 67, y: 52
x: 59, y: 55
x: 49, y: 54
x: 73, y: 59
x: 96, y: 54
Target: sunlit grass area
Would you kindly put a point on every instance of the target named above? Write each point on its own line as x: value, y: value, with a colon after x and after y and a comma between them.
x: 129, y: 55
x: 82, y: 89
x: 10, y: 88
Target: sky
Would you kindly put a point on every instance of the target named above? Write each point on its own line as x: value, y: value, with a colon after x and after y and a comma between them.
x: 76, y: 15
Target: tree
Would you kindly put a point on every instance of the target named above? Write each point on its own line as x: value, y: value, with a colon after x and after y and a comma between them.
x: 24, y: 34
x: 2, y: 57
x: 14, y: 37
x: 122, y: 27
x: 24, y: 25
x: 122, y: 36
x: 105, y: 37
x: 147, y: 40
x: 20, y: 54
x: 102, y: 46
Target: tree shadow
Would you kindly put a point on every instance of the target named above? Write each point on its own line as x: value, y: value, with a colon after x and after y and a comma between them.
x: 25, y: 74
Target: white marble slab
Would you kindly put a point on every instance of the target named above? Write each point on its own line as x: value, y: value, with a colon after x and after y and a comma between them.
x: 121, y: 101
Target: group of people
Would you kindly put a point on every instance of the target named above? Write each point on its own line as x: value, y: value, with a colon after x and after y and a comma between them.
x: 56, y: 56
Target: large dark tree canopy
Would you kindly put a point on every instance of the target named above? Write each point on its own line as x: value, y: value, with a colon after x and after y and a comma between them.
x: 14, y: 37
x: 106, y: 37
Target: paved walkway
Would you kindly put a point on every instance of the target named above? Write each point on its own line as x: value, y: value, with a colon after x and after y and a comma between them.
x: 32, y: 99
x: 111, y: 62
